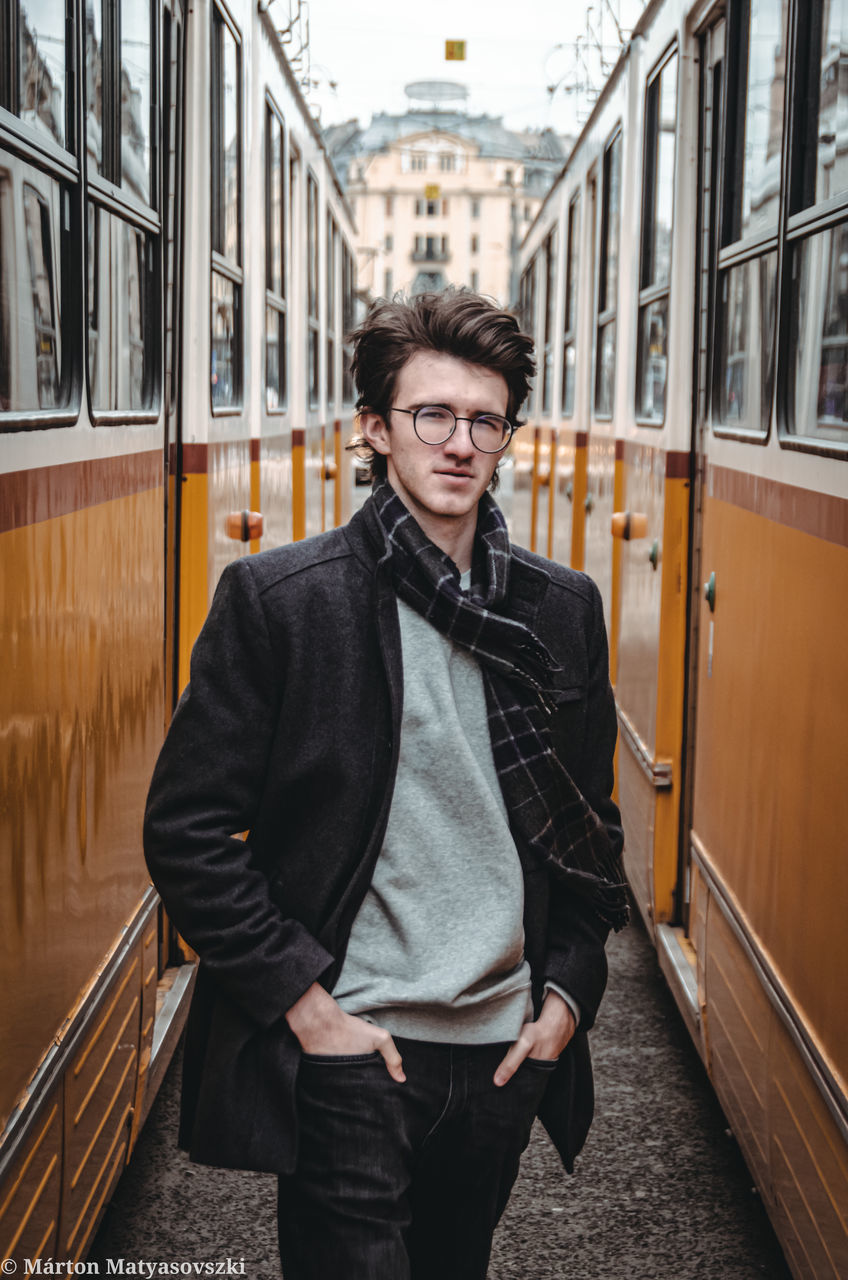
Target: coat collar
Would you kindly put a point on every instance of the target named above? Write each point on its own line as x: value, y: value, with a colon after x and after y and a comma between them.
x: 528, y: 583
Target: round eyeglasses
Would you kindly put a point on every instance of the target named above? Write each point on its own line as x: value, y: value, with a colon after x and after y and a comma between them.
x: 433, y: 424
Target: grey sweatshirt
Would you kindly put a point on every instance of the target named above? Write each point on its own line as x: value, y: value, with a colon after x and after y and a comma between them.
x: 437, y: 948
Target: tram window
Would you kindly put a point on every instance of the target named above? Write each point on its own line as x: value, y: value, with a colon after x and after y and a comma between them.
x: 332, y: 314
x: 226, y: 331
x: 35, y: 363
x: 136, y: 82
x: 121, y: 344
x: 752, y: 182
x: 608, y: 281
x: 572, y: 263
x: 275, y: 262
x: 42, y: 39
x: 819, y: 345
x: 45, y: 326
x: 527, y: 299
x: 655, y: 271
x: 348, y: 269
x: 746, y: 344
x: 227, y: 274
x: 226, y: 141
x: 119, y: 90
x: 816, y: 398
x: 550, y: 303
x: 823, y: 133
x: 312, y: 288
x: 94, y: 82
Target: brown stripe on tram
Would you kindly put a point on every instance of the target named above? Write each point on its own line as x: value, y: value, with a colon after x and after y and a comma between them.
x: 820, y: 514
x: 195, y: 459
x: 44, y: 493
x: 677, y: 464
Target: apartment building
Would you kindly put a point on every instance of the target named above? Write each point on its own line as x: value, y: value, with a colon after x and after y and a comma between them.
x: 441, y: 196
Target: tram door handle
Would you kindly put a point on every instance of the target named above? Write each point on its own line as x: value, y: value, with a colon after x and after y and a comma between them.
x: 710, y: 597
x: 710, y: 591
x: 629, y: 524
x: 243, y: 526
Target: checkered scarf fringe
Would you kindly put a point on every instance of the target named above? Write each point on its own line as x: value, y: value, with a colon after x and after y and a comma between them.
x: 547, y: 811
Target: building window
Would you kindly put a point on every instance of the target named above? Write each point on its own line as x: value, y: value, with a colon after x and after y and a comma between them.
x: 447, y: 162
x: 655, y: 269
x: 572, y: 276
x: 475, y: 281
x: 389, y: 243
x: 276, y: 245
x: 389, y: 206
x: 508, y: 177
x: 475, y: 208
x: 608, y: 278
x: 387, y: 282
x: 475, y: 244
x: 418, y: 161
x: 227, y: 272
x: 431, y: 248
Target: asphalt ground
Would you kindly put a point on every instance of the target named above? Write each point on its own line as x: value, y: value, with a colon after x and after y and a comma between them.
x: 661, y: 1191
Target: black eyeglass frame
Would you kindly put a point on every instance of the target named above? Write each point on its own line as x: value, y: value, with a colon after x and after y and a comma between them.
x: 471, y: 421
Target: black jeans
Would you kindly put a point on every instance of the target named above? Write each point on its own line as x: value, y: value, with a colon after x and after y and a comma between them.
x: 404, y: 1181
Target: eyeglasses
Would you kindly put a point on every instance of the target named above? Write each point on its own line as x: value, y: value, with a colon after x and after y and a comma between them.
x: 433, y: 424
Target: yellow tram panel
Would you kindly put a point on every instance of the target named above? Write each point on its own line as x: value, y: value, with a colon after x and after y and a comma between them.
x: 771, y: 661
x: 83, y: 702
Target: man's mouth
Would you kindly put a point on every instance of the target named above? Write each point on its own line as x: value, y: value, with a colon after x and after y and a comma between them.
x: 456, y: 472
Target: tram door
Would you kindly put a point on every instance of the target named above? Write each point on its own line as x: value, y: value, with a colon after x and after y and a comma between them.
x: 713, y: 77
x: 173, y: 63
x: 173, y: 170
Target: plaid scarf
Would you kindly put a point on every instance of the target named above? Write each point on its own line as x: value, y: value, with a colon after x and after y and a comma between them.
x: 547, y: 811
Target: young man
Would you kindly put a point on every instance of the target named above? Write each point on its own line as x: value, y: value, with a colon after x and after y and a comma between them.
x: 412, y: 721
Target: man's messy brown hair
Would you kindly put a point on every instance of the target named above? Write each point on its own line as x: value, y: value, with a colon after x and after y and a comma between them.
x: 456, y: 322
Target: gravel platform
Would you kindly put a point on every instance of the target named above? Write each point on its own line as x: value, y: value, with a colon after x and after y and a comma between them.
x: 660, y: 1193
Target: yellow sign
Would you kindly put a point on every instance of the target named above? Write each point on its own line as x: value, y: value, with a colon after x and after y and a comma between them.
x: 454, y: 51
x: 432, y: 191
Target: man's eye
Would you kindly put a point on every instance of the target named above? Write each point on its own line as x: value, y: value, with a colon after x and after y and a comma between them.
x: 432, y: 414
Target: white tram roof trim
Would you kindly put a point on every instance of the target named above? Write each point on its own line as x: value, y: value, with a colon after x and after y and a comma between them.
x: 609, y: 84
x: 311, y: 122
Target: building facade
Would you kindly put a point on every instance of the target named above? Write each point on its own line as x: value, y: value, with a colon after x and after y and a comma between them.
x: 440, y: 196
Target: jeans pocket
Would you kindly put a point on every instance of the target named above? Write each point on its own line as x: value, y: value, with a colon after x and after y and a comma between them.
x: 543, y: 1064
x: 340, y: 1059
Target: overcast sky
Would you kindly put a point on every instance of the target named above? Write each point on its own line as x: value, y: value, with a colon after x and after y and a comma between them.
x: 371, y: 49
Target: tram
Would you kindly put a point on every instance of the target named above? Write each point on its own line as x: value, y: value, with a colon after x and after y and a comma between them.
x: 687, y: 446
x: 176, y: 277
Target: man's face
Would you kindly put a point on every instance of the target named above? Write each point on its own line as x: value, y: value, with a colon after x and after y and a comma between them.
x: 440, y: 484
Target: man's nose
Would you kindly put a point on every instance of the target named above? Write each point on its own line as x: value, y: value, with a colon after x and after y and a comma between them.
x: 460, y: 442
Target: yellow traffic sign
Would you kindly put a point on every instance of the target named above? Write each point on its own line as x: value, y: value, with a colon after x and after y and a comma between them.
x: 432, y: 191
x: 454, y: 51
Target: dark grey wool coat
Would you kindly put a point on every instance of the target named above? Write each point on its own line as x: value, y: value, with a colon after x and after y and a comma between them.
x: 289, y: 731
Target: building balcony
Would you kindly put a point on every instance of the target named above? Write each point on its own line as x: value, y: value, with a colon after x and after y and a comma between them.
x: 430, y: 255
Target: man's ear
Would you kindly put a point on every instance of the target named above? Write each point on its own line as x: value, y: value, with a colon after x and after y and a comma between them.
x: 375, y: 429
